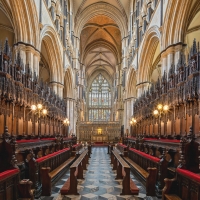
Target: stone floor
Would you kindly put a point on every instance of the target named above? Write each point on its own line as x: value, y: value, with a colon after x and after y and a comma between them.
x: 99, y: 182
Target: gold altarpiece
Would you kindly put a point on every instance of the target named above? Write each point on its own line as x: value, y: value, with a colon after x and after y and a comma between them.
x: 98, y: 131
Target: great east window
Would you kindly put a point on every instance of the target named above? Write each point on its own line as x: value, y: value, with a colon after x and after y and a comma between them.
x: 99, y: 100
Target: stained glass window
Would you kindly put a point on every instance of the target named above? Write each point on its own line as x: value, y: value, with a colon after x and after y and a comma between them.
x: 99, y: 100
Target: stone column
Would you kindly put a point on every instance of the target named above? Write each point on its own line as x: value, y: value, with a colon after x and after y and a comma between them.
x: 58, y: 23
x: 30, y: 57
x: 54, y: 86
x: 170, y: 57
x: 164, y: 63
x: 144, y: 23
x: 131, y: 25
x: 150, y: 10
x: 36, y: 61
x: 60, y: 87
x: 65, y: 33
x: 53, y: 5
x: 177, y: 54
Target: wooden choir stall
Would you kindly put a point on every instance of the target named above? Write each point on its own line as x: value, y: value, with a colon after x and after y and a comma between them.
x: 30, y: 141
x: 165, y: 132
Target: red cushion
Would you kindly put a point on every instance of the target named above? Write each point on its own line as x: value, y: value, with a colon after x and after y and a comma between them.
x: 66, y: 138
x: 39, y: 160
x: 132, y: 137
x: 122, y: 145
x: 163, y: 140
x: 76, y: 145
x: 189, y: 174
x: 168, y: 140
x: 8, y: 173
x: 145, y: 155
x: 48, y: 139
x: 35, y: 140
x: 25, y: 141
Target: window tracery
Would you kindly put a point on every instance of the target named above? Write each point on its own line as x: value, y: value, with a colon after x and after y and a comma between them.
x: 99, y: 100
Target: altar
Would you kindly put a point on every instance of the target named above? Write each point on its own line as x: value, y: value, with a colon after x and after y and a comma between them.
x: 98, y: 131
x: 99, y: 138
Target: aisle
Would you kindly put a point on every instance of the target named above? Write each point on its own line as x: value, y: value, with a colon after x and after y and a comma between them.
x: 99, y: 182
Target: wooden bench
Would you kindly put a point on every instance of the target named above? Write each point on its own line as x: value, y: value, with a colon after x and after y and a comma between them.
x: 123, y: 149
x: 76, y: 172
x: 77, y: 147
x: 146, y: 168
x: 110, y: 148
x: 8, y: 181
x: 123, y: 172
x: 9, y: 172
x: 89, y: 150
x: 39, y: 147
x: 47, y: 176
x: 56, y: 164
x: 186, y: 184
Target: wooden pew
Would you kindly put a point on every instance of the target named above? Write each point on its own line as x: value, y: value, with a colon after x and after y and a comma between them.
x: 150, y: 169
x: 9, y: 172
x: 8, y: 181
x: 123, y: 172
x: 123, y: 149
x: 76, y: 172
x: 164, y: 149
x: 39, y: 147
x: 55, y: 165
x: 110, y: 148
x: 89, y: 146
x: 77, y: 147
x: 186, y: 183
x: 185, y: 186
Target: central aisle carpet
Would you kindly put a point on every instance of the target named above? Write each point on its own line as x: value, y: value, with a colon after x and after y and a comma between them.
x: 99, y: 182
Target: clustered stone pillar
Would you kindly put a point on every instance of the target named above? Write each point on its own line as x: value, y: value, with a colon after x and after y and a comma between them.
x: 29, y: 55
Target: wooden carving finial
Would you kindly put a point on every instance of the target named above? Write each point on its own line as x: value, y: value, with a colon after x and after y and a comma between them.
x: 6, y: 135
x: 182, y: 153
x: 190, y: 135
x: 6, y: 49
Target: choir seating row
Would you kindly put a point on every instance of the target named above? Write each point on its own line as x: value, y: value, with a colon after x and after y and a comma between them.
x: 22, y: 160
x: 76, y: 172
x: 123, y: 149
x: 176, y: 161
x: 123, y: 172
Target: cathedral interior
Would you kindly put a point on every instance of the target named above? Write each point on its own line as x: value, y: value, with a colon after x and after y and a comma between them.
x: 99, y: 99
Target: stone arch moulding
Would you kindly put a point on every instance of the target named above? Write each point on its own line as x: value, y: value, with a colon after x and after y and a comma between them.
x: 193, y: 13
x: 8, y: 29
x: 101, y: 8
x: 176, y: 21
x: 151, y: 41
x: 131, y: 85
x: 25, y: 20
x: 68, y: 84
x: 49, y: 36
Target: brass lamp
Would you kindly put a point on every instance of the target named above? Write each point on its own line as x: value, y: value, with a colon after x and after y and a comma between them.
x: 66, y: 123
x: 38, y: 109
x: 158, y: 112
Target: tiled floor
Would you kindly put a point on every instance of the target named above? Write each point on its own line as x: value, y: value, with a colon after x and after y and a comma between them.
x: 99, y: 182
